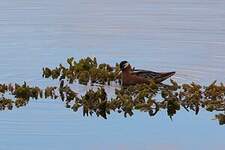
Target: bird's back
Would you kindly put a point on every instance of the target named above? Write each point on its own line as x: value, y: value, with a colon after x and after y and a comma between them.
x: 151, y: 75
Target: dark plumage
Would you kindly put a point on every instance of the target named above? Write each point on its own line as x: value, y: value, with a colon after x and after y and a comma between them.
x: 136, y: 76
x: 123, y: 64
x: 158, y: 76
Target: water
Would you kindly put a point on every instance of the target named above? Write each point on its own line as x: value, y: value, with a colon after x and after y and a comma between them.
x: 185, y: 36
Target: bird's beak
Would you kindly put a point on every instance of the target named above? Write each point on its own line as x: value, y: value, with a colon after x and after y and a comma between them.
x: 118, y: 76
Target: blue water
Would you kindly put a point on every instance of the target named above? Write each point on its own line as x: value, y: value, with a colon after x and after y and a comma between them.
x: 186, y: 36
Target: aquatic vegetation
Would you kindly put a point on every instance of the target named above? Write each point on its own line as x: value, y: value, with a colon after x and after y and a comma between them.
x: 23, y: 93
x: 144, y: 98
x: 49, y: 92
x: 84, y: 71
x: 150, y: 98
x: 6, y: 103
x: 221, y: 118
x: 3, y: 88
x: 19, y: 102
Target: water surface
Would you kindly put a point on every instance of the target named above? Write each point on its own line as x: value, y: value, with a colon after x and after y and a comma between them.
x: 186, y: 36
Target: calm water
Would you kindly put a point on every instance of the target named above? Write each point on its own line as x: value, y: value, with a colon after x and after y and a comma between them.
x: 186, y: 36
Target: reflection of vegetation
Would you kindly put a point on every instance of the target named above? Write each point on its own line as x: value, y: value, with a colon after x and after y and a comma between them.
x: 146, y: 98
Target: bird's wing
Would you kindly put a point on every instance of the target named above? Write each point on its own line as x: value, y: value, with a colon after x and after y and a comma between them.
x: 157, y: 76
x: 146, y: 73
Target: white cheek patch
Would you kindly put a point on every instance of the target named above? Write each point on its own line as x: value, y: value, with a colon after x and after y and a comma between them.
x: 126, y: 65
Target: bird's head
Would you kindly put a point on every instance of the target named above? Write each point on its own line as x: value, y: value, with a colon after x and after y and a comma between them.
x: 124, y: 65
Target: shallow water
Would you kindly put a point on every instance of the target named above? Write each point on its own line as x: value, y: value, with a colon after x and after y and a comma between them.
x: 185, y: 36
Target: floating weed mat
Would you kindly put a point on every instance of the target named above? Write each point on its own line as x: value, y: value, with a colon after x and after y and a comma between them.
x: 22, y: 95
x: 84, y: 71
x: 150, y: 98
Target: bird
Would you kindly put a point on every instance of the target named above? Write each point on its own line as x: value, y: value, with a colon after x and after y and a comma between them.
x: 133, y: 76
